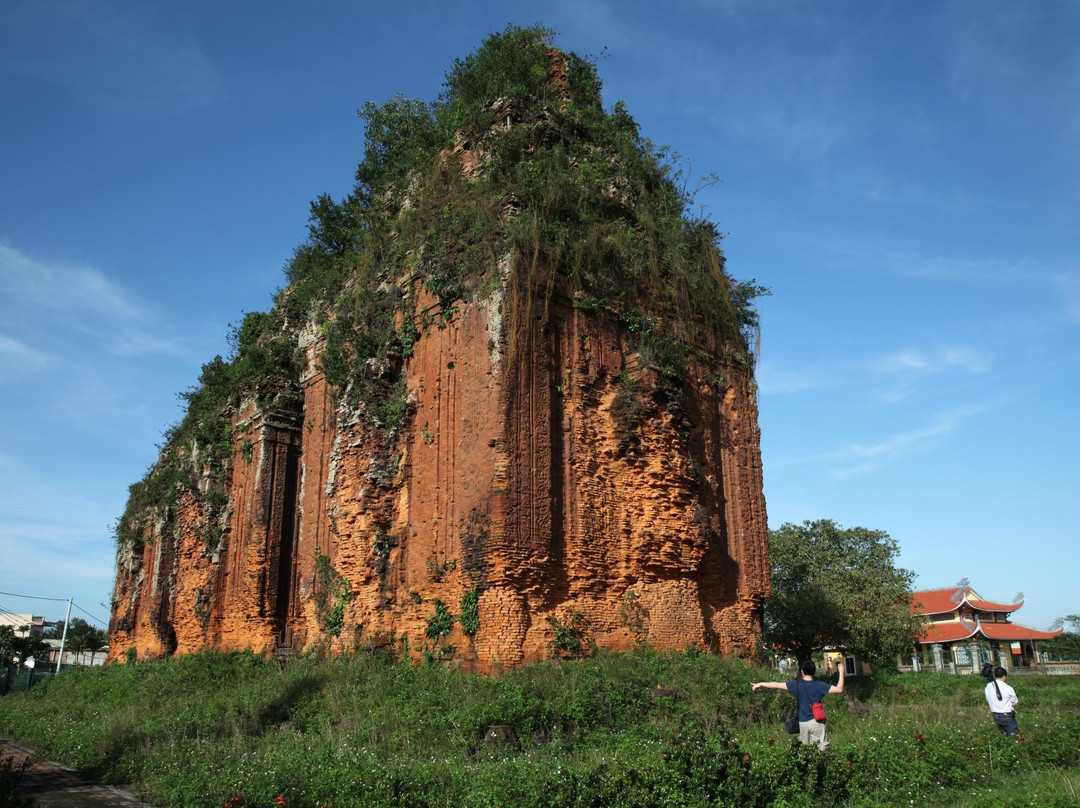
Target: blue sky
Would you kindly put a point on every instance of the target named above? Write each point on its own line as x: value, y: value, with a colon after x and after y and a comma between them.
x: 904, y: 176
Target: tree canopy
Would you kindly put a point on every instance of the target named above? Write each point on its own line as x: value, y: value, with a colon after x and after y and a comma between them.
x: 81, y: 636
x: 1065, y: 646
x: 836, y: 587
x: 14, y: 649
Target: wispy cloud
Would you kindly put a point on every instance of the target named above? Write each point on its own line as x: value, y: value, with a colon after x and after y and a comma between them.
x: 56, y: 569
x: 775, y: 380
x: 932, y: 267
x: 51, y: 307
x: 986, y: 51
x: 797, y: 106
x: 796, y: 101
x: 1067, y: 285
x: 1056, y: 286
x: 910, y: 362
x: 863, y: 457
x: 901, y: 367
x: 75, y: 290
x: 874, y: 186
x: 22, y: 355
x: 1049, y: 287
x: 116, y: 55
x: 860, y: 458
x: 50, y: 549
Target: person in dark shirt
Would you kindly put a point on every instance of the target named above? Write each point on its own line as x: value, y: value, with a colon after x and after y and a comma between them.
x: 808, y: 691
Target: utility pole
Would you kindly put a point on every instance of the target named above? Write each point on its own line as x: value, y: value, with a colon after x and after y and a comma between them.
x: 63, y: 637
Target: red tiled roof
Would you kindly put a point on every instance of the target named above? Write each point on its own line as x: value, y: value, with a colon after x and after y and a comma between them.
x: 979, y: 602
x: 1012, y: 631
x: 956, y: 630
x: 942, y: 601
x: 935, y: 601
x: 947, y: 632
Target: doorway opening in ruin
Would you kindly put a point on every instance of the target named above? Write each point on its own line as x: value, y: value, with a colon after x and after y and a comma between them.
x: 286, y: 571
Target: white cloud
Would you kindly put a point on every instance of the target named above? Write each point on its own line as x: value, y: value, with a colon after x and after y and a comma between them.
x: 903, y: 367
x: 860, y: 458
x: 60, y: 569
x: 774, y: 380
x: 1045, y: 287
x: 69, y: 542
x: 1057, y: 287
x: 875, y: 187
x: 904, y: 442
x: 918, y: 363
x: 80, y: 290
x: 914, y: 265
x: 23, y: 356
x: 53, y: 308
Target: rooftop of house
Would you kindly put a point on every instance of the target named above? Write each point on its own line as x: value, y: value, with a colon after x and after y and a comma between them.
x: 23, y: 623
x: 950, y: 599
x: 959, y: 630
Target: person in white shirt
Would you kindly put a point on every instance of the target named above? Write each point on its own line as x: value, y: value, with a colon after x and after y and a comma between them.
x: 1002, y: 700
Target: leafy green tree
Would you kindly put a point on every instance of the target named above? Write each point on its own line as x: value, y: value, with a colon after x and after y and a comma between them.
x: 1065, y: 646
x: 83, y: 638
x: 97, y: 640
x: 14, y: 649
x: 836, y: 587
x: 7, y: 646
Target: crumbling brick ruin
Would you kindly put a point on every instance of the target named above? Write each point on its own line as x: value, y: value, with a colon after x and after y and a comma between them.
x: 548, y: 488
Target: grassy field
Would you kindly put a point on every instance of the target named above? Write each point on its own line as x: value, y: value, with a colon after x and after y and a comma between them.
x: 635, y: 729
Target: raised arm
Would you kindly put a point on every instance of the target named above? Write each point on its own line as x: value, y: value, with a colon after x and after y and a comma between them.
x: 769, y: 685
x: 839, y: 686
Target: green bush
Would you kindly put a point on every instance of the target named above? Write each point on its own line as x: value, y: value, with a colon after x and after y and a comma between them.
x: 635, y: 729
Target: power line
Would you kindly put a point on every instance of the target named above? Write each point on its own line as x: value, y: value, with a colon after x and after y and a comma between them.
x: 8, y: 612
x: 98, y: 619
x: 34, y: 597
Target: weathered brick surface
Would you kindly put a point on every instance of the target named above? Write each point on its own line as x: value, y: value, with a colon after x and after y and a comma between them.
x: 517, y: 475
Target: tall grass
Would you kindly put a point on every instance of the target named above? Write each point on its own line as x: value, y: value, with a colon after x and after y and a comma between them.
x: 636, y: 729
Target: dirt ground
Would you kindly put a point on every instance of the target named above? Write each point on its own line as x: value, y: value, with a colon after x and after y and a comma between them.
x: 46, y: 784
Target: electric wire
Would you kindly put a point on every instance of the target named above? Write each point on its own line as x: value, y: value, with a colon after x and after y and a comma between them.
x: 96, y: 619
x: 35, y: 597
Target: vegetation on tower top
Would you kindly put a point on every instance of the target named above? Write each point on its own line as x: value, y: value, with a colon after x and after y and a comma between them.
x: 516, y: 164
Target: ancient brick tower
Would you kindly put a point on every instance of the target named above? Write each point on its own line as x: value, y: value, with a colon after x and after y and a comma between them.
x: 547, y: 485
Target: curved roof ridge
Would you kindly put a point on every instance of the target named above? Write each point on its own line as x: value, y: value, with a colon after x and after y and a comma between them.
x: 951, y: 598
x: 973, y: 598
x: 1015, y: 631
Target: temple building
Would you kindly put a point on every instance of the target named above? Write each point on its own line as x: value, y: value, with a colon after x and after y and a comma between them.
x: 964, y: 630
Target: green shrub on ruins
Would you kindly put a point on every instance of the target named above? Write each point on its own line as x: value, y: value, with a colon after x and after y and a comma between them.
x: 636, y: 729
